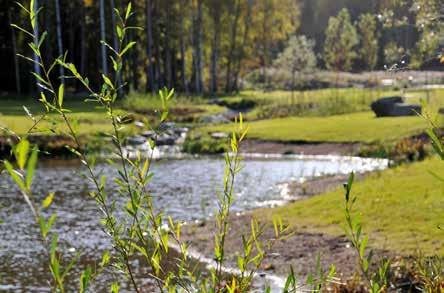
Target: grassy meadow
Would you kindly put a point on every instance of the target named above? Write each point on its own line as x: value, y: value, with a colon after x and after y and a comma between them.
x: 355, y: 127
x: 401, y: 209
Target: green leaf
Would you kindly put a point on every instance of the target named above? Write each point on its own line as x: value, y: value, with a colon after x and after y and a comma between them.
x: 22, y: 29
x: 16, y: 176
x: 105, y: 259
x: 61, y: 94
x: 129, y: 46
x: 48, y: 200
x: 128, y: 11
x: 32, y: 15
x: 84, y: 280
x: 21, y: 151
x: 22, y: 7
x: 107, y: 81
x: 119, y: 32
x: 54, y: 244
x: 40, y: 78
x: 436, y: 143
x: 51, y: 221
x: 42, y: 39
x: 115, y: 288
x: 32, y: 163
x: 363, y: 246
x: 164, y: 116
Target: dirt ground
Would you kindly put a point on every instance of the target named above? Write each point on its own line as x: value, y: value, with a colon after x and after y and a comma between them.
x: 325, y: 148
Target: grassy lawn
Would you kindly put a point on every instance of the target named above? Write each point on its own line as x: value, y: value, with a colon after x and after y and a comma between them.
x: 324, y: 102
x: 356, y: 127
x: 195, y: 105
x: 400, y: 209
x: 90, y: 118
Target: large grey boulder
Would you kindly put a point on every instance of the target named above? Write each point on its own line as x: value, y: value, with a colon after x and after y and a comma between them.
x: 394, y: 107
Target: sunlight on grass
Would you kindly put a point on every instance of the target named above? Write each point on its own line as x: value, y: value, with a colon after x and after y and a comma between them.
x: 398, y: 213
x: 357, y: 127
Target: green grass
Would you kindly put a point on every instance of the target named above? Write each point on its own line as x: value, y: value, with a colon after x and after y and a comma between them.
x: 356, y: 127
x: 196, y: 105
x: 324, y: 102
x: 91, y: 119
x: 400, y: 208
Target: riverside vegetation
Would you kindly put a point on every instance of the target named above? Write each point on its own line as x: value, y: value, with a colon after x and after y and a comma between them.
x: 150, y: 235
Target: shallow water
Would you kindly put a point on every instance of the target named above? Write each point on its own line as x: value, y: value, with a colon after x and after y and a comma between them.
x: 184, y: 189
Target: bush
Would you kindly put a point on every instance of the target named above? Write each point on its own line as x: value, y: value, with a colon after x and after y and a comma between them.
x: 204, y: 144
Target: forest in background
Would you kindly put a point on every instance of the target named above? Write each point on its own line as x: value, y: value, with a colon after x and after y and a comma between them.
x: 209, y: 46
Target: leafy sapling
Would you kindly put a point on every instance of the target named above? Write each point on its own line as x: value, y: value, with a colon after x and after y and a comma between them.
x: 377, y: 281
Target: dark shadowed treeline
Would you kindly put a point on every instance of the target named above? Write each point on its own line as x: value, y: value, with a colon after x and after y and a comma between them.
x: 207, y: 46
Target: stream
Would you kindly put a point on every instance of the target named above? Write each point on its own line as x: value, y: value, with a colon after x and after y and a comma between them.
x: 184, y: 189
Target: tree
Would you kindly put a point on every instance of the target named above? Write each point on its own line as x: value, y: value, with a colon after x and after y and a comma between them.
x: 298, y: 57
x: 236, y: 6
x: 59, y: 38
x: 35, y: 28
x: 341, y: 40
x: 275, y: 20
x: 215, y: 8
x: 103, y: 37
x: 151, y: 83
x: 182, y: 8
x: 369, y: 40
x: 429, y: 24
x: 197, y: 44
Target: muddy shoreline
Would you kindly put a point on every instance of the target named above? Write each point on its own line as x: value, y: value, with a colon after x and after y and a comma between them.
x: 300, y: 147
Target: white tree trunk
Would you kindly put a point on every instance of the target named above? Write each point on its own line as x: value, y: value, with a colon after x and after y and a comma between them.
x: 59, y: 39
x: 36, y: 41
x: 103, y: 36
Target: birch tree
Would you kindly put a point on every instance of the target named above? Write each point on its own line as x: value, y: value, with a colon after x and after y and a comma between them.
x: 59, y: 38
x: 103, y: 37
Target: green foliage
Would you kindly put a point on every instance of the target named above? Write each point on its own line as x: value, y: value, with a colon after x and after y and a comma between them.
x: 377, y: 281
x: 197, y: 143
x: 369, y: 40
x: 341, y: 40
x: 393, y: 54
x: 298, y: 56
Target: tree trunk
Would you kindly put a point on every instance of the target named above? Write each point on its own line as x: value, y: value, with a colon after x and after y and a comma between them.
x: 47, y: 27
x: 198, y: 48
x: 14, y: 51
x: 232, y: 49
x: 59, y: 39
x: 103, y: 37
x: 134, y: 65
x: 215, y: 50
x: 182, y: 47
x: 84, y: 40
x: 151, y: 83
x: 241, y: 53
x: 36, y: 41
x: 167, y: 46
x: 264, y: 55
x: 293, y: 74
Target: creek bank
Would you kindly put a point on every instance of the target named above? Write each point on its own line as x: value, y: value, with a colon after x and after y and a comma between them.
x: 299, y: 251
